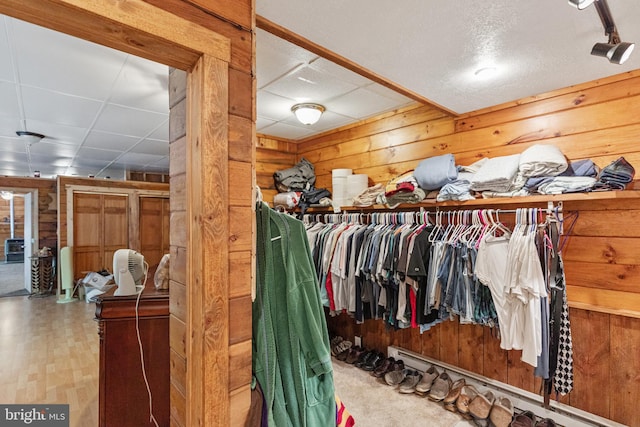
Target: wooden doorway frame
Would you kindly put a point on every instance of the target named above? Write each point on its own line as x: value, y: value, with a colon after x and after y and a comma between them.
x: 138, y: 28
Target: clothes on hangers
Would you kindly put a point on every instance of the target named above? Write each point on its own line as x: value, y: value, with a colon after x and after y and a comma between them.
x: 413, y: 273
x: 291, y: 353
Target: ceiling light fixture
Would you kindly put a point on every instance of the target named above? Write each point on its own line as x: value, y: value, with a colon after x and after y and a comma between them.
x: 33, y: 137
x: 308, y: 113
x: 616, y: 51
x: 580, y: 4
x: 6, y: 195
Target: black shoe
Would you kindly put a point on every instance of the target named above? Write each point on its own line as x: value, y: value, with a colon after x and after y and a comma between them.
x: 374, y: 362
x: 366, y: 356
x: 383, y: 367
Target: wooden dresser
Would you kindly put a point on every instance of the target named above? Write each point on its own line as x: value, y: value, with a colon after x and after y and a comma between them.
x: 124, y: 400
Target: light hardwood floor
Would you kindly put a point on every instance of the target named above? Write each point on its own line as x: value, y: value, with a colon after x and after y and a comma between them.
x: 49, y: 354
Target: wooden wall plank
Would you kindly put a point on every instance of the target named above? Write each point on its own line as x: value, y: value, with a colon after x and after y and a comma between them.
x: 239, y: 308
x: 625, y: 369
x: 470, y: 346
x: 495, y: 361
x: 449, y: 342
x: 240, y: 364
x: 178, y: 366
x: 240, y: 272
x: 592, y: 361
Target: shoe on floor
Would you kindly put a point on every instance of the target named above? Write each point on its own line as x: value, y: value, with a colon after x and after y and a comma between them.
x: 395, y: 377
x: 408, y: 385
x: 341, y: 347
x: 440, y: 387
x: 354, y: 355
x: 450, y: 399
x: 373, y: 362
x: 345, y: 354
x: 524, y: 419
x: 546, y: 422
x: 480, y: 406
x: 467, y: 394
x: 428, y: 377
x: 501, y: 412
x: 384, y: 367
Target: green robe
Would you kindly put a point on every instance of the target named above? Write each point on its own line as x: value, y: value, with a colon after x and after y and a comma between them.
x: 291, y: 355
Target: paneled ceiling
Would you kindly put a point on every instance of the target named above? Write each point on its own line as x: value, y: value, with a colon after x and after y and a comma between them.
x: 104, y: 112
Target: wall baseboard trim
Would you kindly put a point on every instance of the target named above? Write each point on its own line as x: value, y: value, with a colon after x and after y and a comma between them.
x: 522, y: 400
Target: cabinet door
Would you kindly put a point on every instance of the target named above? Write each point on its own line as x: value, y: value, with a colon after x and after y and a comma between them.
x: 100, y: 227
x: 154, y: 229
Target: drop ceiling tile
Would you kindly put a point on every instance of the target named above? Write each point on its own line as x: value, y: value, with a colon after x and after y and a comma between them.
x: 112, y: 173
x: 273, y: 107
x: 9, y: 126
x: 325, y: 66
x: 128, y: 121
x: 261, y: 123
x: 70, y: 65
x: 360, y: 103
x: 111, y: 141
x: 79, y: 171
x: 275, y: 57
x: 6, y: 70
x: 12, y: 144
x: 309, y: 85
x: 8, y: 99
x: 142, y: 84
x: 12, y: 156
x: 97, y: 154
x: 284, y: 130
x: 57, y: 133
x: 90, y: 163
x: 58, y: 108
x: 400, y: 99
x: 53, y: 149
x: 137, y: 159
x: 162, y: 132
x: 150, y: 146
x: 40, y: 161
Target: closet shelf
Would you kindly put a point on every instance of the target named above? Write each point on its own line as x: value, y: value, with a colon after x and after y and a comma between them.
x: 498, y: 201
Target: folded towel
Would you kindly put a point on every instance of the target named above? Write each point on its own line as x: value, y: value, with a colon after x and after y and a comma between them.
x: 459, y: 190
x: 542, y: 160
x: 368, y: 196
x: 497, y: 174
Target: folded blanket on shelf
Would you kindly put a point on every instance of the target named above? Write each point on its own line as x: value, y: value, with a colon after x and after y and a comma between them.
x: 578, y: 168
x: 497, y: 174
x: 542, y: 160
x: 615, y: 176
x: 435, y: 172
x: 567, y: 184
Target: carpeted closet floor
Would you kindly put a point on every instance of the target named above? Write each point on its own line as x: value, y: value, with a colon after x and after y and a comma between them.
x: 372, y: 402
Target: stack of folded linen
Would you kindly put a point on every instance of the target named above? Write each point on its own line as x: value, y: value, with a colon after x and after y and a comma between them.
x: 615, y: 176
x: 542, y: 160
x: 579, y: 176
x: 497, y: 174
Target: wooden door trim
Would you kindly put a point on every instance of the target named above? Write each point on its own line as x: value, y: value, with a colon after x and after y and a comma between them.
x: 138, y: 28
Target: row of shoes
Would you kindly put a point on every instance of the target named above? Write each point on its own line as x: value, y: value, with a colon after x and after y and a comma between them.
x: 484, y: 408
x: 529, y: 419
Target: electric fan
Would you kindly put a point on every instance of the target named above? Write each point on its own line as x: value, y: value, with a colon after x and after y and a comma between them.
x: 129, y: 272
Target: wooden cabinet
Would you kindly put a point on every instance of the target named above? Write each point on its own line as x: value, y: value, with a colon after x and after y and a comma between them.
x: 123, y: 396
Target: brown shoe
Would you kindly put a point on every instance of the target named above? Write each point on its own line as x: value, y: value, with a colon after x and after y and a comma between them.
x: 467, y: 394
x: 450, y: 399
x: 546, y: 422
x: 501, y: 412
x: 480, y: 406
x: 427, y: 380
x: 440, y: 387
x: 524, y: 419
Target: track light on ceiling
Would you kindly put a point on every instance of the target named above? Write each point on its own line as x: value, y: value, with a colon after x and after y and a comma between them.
x: 616, y: 51
x: 308, y: 113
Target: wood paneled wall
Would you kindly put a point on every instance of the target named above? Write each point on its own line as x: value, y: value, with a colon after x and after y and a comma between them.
x: 47, y: 208
x: 272, y: 155
x: 597, y: 120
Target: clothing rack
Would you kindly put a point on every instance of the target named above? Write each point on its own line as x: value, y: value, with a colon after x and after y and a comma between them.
x: 553, y: 211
